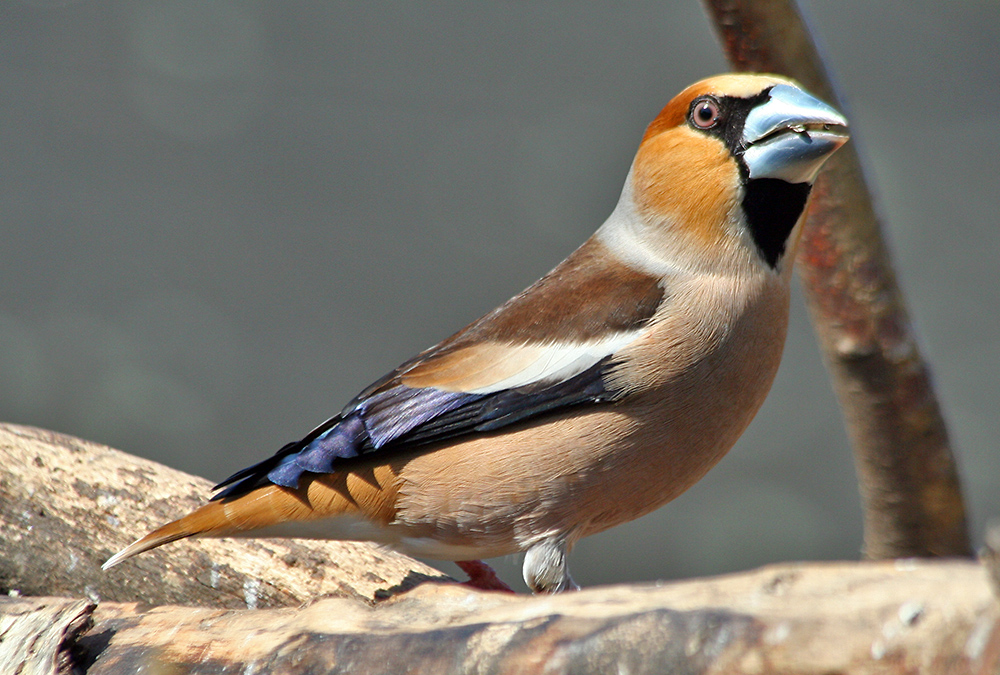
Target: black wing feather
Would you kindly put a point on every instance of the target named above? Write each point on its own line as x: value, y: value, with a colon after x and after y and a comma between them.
x: 398, y: 417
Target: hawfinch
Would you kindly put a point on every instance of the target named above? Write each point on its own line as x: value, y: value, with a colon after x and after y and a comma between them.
x: 597, y: 395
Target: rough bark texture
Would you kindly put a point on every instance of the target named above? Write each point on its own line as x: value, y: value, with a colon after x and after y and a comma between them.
x: 909, y: 483
x: 66, y: 505
x: 41, y: 639
x: 904, y: 617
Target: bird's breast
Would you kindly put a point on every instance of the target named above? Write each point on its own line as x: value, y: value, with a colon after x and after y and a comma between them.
x: 700, y: 376
x: 694, y: 382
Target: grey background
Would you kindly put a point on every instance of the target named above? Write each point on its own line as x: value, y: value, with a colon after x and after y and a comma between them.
x: 221, y: 219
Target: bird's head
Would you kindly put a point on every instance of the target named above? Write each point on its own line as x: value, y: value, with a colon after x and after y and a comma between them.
x: 722, y: 174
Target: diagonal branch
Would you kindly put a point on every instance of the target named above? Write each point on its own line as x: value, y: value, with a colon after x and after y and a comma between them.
x: 909, y: 482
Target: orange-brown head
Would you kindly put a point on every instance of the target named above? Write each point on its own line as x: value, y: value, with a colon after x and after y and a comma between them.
x: 723, y: 172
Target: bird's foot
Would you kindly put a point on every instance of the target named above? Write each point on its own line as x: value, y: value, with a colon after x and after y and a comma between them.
x: 482, y: 576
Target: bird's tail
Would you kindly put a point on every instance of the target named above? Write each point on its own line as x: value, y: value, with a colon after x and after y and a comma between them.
x: 254, y: 510
x: 273, y: 510
x: 209, y: 520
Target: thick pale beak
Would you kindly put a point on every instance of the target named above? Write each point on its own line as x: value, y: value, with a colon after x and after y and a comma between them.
x: 790, y: 135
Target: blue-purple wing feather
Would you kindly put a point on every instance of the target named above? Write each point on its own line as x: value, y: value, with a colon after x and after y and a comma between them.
x: 390, y: 416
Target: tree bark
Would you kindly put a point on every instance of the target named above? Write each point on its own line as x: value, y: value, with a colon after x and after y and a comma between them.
x: 66, y: 505
x: 810, y: 619
x: 909, y: 483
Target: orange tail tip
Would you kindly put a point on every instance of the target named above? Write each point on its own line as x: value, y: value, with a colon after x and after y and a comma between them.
x: 209, y: 519
x: 151, y: 540
x: 333, y: 506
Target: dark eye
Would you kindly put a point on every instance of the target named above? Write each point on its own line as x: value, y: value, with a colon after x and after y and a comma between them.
x: 705, y: 113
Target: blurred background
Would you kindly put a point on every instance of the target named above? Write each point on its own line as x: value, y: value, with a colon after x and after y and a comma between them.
x: 221, y: 219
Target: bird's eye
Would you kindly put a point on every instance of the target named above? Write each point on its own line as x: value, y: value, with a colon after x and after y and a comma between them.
x: 705, y: 113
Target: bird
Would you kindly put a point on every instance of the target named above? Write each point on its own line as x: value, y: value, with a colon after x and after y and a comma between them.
x: 601, y: 392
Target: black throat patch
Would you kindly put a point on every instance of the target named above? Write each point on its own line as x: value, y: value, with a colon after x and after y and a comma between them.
x: 772, y: 207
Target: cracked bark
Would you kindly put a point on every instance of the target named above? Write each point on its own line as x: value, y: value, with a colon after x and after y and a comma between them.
x: 65, y: 504
x: 40, y: 637
x: 934, y: 617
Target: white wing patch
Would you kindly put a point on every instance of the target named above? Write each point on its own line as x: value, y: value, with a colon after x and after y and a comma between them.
x: 555, y: 362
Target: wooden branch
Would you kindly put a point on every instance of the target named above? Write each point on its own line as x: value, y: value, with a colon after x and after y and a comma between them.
x: 909, y: 482
x: 854, y: 618
x: 67, y: 504
x: 38, y: 636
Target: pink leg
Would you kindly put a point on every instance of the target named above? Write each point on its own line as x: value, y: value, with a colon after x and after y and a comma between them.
x: 482, y: 576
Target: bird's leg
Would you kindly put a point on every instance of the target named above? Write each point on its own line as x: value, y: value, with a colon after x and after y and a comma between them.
x: 545, y: 568
x: 482, y: 576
